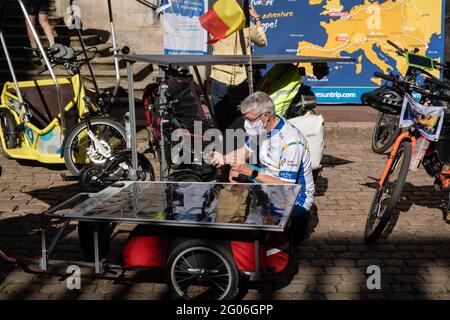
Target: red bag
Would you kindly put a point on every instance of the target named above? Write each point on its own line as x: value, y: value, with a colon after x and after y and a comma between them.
x: 144, y: 251
x: 273, y: 256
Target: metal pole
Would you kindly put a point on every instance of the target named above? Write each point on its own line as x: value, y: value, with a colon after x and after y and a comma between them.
x: 164, y: 167
x: 132, y: 107
x: 250, y: 69
x: 115, y: 50
x: 96, y: 250
x: 43, y: 265
x: 56, y: 239
x: 47, y: 62
x: 11, y: 67
x: 257, y: 261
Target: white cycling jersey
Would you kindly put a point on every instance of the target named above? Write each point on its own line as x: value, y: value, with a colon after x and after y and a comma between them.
x: 285, y: 155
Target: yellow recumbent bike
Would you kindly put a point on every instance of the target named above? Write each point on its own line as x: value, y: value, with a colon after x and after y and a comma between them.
x: 31, y: 123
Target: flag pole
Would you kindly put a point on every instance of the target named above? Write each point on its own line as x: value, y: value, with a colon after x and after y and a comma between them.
x: 246, y: 8
x: 250, y: 67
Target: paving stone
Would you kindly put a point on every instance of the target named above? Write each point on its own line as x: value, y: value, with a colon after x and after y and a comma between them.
x: 332, y: 262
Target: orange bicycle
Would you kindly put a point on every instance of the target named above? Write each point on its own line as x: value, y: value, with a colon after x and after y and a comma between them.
x: 411, y: 148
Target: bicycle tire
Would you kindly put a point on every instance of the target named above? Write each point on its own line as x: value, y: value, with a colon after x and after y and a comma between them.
x: 68, y: 143
x: 381, y: 148
x: 192, y: 251
x: 371, y: 233
x: 9, y: 127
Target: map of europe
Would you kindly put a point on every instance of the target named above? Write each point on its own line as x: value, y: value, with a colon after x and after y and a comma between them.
x: 352, y: 28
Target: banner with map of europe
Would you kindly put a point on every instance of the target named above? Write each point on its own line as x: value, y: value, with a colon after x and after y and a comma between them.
x: 352, y: 28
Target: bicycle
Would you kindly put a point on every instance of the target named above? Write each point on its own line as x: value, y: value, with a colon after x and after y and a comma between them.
x: 388, y: 99
x: 416, y: 141
x: 31, y: 121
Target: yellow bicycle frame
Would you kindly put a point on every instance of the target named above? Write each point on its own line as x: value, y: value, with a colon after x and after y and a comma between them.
x: 45, y: 144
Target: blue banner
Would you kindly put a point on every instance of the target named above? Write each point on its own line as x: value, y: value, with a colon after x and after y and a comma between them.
x: 352, y: 28
x: 183, y: 33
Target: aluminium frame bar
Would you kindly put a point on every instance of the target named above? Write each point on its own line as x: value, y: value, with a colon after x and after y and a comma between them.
x: 49, y: 66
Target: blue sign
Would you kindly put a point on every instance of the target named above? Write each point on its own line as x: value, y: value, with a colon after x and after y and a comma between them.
x: 352, y: 28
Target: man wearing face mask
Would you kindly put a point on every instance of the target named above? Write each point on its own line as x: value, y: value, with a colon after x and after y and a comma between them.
x: 282, y: 152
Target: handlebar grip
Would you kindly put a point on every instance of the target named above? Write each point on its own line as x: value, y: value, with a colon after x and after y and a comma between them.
x: 437, y: 83
x: 395, y: 46
x: 387, y: 77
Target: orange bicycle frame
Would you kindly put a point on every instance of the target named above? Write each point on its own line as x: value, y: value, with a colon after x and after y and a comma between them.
x: 404, y: 136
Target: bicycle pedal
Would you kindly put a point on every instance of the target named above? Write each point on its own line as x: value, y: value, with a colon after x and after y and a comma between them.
x: 69, y: 178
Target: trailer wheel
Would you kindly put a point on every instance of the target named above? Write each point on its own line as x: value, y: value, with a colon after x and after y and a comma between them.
x: 199, y: 269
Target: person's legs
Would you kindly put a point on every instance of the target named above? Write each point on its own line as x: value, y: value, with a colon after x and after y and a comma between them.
x: 219, y: 102
x: 43, y: 20
x: 33, y: 43
x: 299, y: 225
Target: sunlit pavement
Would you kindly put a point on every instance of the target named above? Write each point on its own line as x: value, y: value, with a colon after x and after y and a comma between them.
x: 331, y: 264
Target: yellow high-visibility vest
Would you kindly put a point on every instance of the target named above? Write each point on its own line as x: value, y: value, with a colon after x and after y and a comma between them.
x: 282, y: 84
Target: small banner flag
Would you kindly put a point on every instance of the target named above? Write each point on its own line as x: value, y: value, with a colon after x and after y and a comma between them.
x: 223, y: 19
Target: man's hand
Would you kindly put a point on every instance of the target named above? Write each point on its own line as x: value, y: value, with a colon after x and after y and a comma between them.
x: 253, y: 12
x: 238, y: 169
x: 217, y: 159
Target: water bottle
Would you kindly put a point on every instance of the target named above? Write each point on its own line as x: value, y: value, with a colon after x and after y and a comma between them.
x: 418, y: 153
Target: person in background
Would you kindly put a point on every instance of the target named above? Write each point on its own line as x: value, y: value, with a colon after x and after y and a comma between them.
x: 41, y: 8
x: 229, y: 84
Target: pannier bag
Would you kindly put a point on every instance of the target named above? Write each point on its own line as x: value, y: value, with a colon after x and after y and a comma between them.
x: 312, y: 127
x: 274, y: 256
x: 144, y: 250
x: 281, y: 83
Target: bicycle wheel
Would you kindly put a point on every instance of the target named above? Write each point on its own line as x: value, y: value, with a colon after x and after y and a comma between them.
x: 199, y: 269
x: 79, y: 150
x: 386, y: 199
x: 385, y: 132
x: 8, y: 126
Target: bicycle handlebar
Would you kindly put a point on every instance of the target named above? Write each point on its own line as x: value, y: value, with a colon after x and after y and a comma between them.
x: 399, y: 49
x: 409, y: 86
x: 388, y: 77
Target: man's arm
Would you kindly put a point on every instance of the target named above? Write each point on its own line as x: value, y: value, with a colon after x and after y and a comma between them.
x: 262, y: 178
x: 257, y: 33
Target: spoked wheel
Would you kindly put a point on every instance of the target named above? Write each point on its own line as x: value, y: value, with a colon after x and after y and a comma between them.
x: 79, y: 149
x: 184, y: 176
x: 198, y: 270
x: 385, y: 132
x: 386, y: 199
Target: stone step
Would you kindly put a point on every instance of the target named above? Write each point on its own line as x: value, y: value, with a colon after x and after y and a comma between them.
x: 17, y: 18
x: 141, y: 71
x: 62, y: 30
x: 21, y: 39
x: 22, y: 52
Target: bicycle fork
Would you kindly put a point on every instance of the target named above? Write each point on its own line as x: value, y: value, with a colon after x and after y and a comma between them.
x: 96, y: 143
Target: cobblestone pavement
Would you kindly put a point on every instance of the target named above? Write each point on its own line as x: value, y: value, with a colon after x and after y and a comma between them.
x: 331, y: 264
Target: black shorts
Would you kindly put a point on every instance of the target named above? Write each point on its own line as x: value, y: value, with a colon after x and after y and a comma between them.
x: 35, y: 7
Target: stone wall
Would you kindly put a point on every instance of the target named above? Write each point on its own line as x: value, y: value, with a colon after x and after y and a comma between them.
x: 137, y: 25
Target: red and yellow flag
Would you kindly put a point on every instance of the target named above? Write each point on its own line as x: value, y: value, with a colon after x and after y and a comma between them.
x: 223, y: 19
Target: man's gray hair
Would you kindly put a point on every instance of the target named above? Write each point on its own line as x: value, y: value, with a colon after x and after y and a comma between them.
x: 258, y: 103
